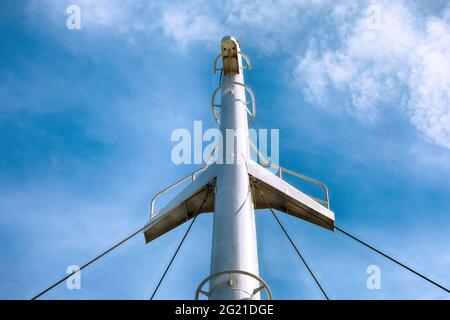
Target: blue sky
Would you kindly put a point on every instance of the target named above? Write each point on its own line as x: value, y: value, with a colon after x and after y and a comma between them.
x: 86, y: 117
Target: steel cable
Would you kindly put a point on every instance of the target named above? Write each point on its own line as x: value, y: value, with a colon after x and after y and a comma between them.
x: 179, y: 246
x: 295, y: 247
x: 371, y: 247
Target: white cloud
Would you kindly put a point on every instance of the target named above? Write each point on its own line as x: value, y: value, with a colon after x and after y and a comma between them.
x: 348, y: 66
x: 429, y: 82
x: 405, y: 64
x: 264, y: 22
x: 180, y: 21
x: 185, y: 25
x: 266, y: 15
x: 118, y: 17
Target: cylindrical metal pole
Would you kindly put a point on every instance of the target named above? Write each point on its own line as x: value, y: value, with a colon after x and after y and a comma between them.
x: 234, y: 244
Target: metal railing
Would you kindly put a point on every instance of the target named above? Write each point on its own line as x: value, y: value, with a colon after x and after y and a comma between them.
x: 263, y: 285
x: 280, y: 170
x: 252, y: 97
x: 190, y: 176
x: 324, y: 202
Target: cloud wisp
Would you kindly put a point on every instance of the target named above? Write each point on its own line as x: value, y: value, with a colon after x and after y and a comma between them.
x: 403, y: 63
x: 343, y: 64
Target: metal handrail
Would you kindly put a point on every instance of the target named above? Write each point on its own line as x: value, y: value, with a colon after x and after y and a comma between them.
x: 192, y: 176
x: 263, y: 284
x: 303, y: 177
x: 173, y: 185
x: 243, y: 55
x: 267, y: 163
x: 252, y: 96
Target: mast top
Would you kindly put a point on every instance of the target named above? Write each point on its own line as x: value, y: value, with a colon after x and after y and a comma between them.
x: 230, y: 49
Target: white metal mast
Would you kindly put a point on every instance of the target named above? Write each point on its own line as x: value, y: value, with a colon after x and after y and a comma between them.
x: 234, y: 244
x: 233, y: 189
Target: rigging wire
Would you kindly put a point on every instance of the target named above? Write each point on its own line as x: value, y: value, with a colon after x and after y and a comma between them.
x: 392, y: 259
x: 295, y: 247
x: 179, y: 246
x: 88, y: 263
x: 284, y: 230
x: 371, y: 247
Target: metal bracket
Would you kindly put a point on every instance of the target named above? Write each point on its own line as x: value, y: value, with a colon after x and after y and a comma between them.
x: 191, y: 176
x: 263, y: 284
x: 324, y: 202
x: 244, y: 56
x: 280, y: 171
x: 253, y: 102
